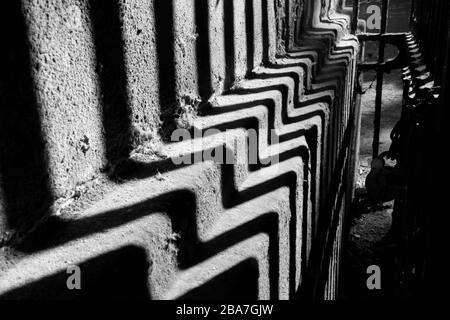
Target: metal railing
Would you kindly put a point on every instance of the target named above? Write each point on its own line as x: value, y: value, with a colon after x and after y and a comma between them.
x: 424, y: 56
x: 381, y: 66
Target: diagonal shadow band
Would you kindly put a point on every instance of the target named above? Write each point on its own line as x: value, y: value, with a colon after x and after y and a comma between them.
x: 223, y: 287
x: 120, y: 274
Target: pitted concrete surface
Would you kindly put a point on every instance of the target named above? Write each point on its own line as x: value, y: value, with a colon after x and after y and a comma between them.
x: 110, y: 81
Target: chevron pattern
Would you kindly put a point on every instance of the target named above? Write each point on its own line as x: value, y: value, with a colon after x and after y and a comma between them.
x: 210, y: 230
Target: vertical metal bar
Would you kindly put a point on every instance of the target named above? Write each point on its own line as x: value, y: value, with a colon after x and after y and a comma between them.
x: 380, y: 77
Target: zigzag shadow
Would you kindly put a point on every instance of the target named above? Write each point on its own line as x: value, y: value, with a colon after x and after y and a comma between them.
x: 333, y: 138
x: 248, y: 123
x: 324, y: 18
x: 180, y: 206
x: 139, y: 170
x: 324, y: 56
x: 66, y: 231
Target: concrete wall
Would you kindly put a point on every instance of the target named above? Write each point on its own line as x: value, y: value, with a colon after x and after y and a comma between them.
x: 91, y: 92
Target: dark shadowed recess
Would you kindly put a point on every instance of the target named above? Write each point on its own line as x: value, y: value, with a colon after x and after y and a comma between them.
x: 165, y: 42
x: 250, y: 33
x: 23, y: 163
x: 117, y: 275
x: 265, y: 29
x: 107, y: 24
x: 229, y: 45
x: 203, y: 49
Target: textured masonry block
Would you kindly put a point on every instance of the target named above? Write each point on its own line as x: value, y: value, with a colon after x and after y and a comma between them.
x: 110, y: 81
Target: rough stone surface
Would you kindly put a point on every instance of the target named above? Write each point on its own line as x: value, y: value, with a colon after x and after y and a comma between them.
x: 93, y: 92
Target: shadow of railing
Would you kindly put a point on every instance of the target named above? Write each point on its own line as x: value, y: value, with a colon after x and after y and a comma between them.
x: 244, y: 276
x: 121, y: 274
x: 179, y: 205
